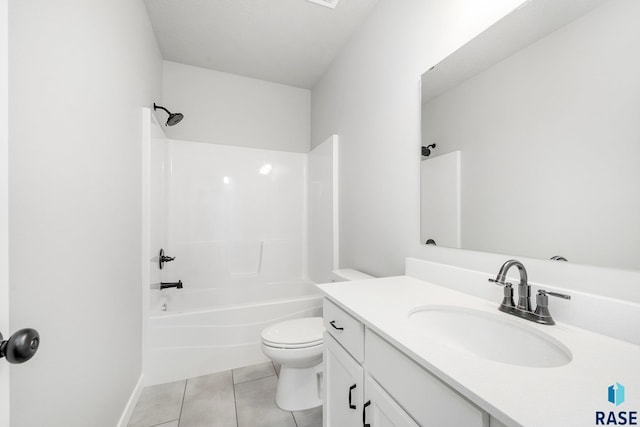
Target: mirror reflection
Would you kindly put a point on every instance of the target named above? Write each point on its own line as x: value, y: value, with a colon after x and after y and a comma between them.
x: 536, y: 126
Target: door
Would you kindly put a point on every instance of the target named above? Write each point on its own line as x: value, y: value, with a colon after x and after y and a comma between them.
x: 343, y: 387
x: 381, y: 410
x: 4, y: 204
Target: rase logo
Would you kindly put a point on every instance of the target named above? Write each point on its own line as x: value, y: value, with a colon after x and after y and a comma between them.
x: 615, y: 396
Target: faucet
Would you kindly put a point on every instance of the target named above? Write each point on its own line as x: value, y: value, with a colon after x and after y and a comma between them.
x: 165, y: 285
x: 524, y: 289
x: 523, y: 308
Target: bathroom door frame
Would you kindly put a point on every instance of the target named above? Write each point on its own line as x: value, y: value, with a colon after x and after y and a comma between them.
x: 4, y: 204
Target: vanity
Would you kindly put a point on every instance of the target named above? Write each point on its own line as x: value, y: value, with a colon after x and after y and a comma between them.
x: 401, y: 351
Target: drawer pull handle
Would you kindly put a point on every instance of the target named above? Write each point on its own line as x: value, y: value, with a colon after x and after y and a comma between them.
x: 351, y: 406
x: 364, y: 414
x: 333, y: 323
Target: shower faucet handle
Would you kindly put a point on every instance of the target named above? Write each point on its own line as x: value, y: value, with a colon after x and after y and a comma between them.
x: 162, y: 258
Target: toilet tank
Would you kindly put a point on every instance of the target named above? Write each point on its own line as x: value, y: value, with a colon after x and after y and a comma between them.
x: 348, y: 274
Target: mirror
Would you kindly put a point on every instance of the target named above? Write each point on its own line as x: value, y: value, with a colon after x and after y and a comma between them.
x: 536, y: 126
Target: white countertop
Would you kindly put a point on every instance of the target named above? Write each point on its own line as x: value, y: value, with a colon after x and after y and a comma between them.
x: 562, y: 396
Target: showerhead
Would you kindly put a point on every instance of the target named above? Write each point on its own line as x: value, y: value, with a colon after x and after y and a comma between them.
x: 173, y: 119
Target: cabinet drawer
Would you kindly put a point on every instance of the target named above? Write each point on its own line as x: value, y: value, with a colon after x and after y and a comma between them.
x: 348, y: 331
x: 427, y: 399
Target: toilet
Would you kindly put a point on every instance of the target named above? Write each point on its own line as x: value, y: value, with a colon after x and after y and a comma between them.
x: 297, y: 346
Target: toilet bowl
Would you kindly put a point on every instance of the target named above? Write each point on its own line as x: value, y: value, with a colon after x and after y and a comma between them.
x: 297, y: 346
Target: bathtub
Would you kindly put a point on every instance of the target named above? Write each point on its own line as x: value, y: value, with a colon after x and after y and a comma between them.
x: 198, y: 332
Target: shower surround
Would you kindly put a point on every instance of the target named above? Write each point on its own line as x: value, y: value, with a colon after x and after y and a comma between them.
x: 234, y: 218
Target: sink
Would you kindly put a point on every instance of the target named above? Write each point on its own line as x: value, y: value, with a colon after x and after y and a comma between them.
x: 489, y: 335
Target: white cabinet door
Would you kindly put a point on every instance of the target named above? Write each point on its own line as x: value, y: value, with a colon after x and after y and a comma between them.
x: 430, y: 401
x: 380, y: 410
x: 343, y: 386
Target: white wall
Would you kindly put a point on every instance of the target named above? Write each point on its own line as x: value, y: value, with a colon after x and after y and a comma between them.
x: 80, y: 73
x: 223, y: 108
x: 370, y: 97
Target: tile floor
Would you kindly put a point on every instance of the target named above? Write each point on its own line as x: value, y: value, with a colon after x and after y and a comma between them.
x: 239, y: 398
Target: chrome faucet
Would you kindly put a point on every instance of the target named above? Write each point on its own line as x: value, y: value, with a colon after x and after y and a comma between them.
x: 523, y: 309
x: 524, y: 289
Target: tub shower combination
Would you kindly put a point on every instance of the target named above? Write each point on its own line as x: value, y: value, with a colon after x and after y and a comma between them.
x: 236, y: 230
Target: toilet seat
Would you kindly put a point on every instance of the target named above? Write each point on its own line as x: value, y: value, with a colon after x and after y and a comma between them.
x: 292, y: 346
x: 295, y: 333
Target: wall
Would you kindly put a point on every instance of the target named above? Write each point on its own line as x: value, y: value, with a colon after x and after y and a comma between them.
x: 80, y: 73
x: 370, y: 97
x: 557, y: 136
x: 223, y: 108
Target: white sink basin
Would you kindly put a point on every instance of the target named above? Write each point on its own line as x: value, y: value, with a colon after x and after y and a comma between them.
x: 490, y: 336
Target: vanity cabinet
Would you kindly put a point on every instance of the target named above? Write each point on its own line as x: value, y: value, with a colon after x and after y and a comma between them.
x: 343, y: 387
x: 370, y: 382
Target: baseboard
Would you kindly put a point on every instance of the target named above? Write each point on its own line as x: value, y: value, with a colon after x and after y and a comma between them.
x: 131, y: 404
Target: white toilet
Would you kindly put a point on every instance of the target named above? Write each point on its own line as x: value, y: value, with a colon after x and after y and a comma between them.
x: 297, y: 346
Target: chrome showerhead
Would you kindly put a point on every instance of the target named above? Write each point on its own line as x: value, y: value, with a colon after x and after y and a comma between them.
x: 173, y: 119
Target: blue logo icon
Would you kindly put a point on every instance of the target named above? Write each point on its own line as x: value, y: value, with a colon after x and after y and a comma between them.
x: 616, y: 394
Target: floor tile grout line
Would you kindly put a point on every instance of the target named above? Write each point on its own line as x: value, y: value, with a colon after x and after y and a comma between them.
x: 235, y: 402
x: 184, y: 394
x: 165, y: 422
x: 255, y: 379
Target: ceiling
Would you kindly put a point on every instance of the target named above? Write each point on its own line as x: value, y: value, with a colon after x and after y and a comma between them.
x: 284, y: 41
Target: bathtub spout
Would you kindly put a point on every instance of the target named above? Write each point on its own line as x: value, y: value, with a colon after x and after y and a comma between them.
x: 165, y: 285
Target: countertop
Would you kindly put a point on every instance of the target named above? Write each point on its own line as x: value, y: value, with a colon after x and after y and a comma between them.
x: 563, y: 396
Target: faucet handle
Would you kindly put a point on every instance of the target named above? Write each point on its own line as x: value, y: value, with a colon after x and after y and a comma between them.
x: 542, y: 306
x: 507, y: 299
x: 553, y: 294
x: 500, y: 282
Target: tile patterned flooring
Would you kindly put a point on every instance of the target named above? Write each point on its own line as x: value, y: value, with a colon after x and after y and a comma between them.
x: 242, y: 397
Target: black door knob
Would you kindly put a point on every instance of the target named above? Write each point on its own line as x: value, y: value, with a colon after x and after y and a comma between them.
x: 21, y: 346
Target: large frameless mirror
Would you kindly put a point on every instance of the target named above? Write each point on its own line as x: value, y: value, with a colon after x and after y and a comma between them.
x: 531, y: 136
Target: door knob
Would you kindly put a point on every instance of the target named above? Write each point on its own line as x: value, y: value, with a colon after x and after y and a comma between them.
x: 21, y: 346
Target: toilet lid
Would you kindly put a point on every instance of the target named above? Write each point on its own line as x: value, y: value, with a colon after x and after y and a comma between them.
x: 294, y: 332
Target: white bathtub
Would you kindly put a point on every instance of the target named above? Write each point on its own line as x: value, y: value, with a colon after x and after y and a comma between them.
x: 206, y: 331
